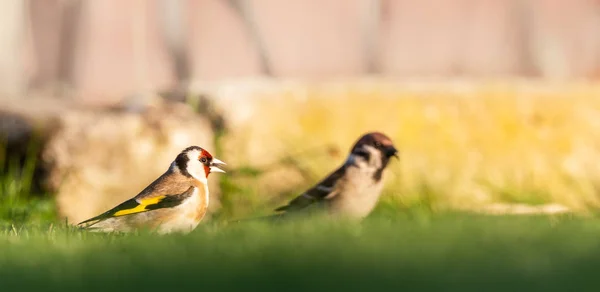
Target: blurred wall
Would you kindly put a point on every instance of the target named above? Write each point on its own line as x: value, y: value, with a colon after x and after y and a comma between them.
x: 98, y: 49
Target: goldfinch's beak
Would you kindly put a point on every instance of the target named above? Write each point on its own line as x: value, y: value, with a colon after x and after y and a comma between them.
x: 214, y: 165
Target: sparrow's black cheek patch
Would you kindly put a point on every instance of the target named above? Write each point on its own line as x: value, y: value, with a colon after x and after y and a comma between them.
x: 384, y: 162
x: 378, y: 174
x: 362, y: 153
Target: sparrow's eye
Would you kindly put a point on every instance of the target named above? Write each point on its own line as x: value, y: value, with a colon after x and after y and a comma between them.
x: 378, y: 144
x: 203, y: 159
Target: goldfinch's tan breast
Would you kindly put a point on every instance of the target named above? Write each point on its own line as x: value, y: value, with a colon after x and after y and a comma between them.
x: 188, y: 215
x: 202, y: 204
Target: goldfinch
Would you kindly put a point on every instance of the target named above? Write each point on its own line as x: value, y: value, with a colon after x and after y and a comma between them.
x: 353, y: 189
x: 175, y: 202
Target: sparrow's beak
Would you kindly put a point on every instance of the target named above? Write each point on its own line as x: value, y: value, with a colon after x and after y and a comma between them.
x: 214, y: 165
x: 391, y: 151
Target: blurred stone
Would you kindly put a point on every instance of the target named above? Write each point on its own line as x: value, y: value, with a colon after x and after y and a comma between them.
x: 96, y: 158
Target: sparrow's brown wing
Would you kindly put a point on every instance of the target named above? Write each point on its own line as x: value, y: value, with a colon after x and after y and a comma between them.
x: 322, y: 191
x: 165, y: 192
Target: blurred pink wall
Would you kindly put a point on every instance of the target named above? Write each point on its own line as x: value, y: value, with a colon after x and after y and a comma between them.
x: 116, y: 48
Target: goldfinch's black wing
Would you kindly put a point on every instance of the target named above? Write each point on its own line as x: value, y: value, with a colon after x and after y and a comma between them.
x: 323, y: 190
x: 139, y: 205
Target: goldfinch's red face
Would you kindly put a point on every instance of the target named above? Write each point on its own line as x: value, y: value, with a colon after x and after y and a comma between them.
x: 210, y: 163
x: 198, y: 163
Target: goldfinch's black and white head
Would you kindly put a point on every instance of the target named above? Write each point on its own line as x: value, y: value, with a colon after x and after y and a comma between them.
x: 197, y: 163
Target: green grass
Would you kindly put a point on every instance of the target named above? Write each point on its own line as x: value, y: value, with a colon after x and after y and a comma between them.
x: 18, y: 204
x: 404, y: 250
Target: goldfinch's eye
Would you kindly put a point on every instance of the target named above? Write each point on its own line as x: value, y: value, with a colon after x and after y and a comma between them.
x: 203, y: 159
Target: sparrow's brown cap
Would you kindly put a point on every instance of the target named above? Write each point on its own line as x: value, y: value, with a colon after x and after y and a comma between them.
x: 379, y: 141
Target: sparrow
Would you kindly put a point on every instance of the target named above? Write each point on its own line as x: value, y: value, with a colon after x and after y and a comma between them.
x: 175, y: 202
x: 351, y: 191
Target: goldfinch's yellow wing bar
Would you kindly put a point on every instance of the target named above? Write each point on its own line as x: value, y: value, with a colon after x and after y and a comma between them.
x: 134, y: 206
x: 142, y: 207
